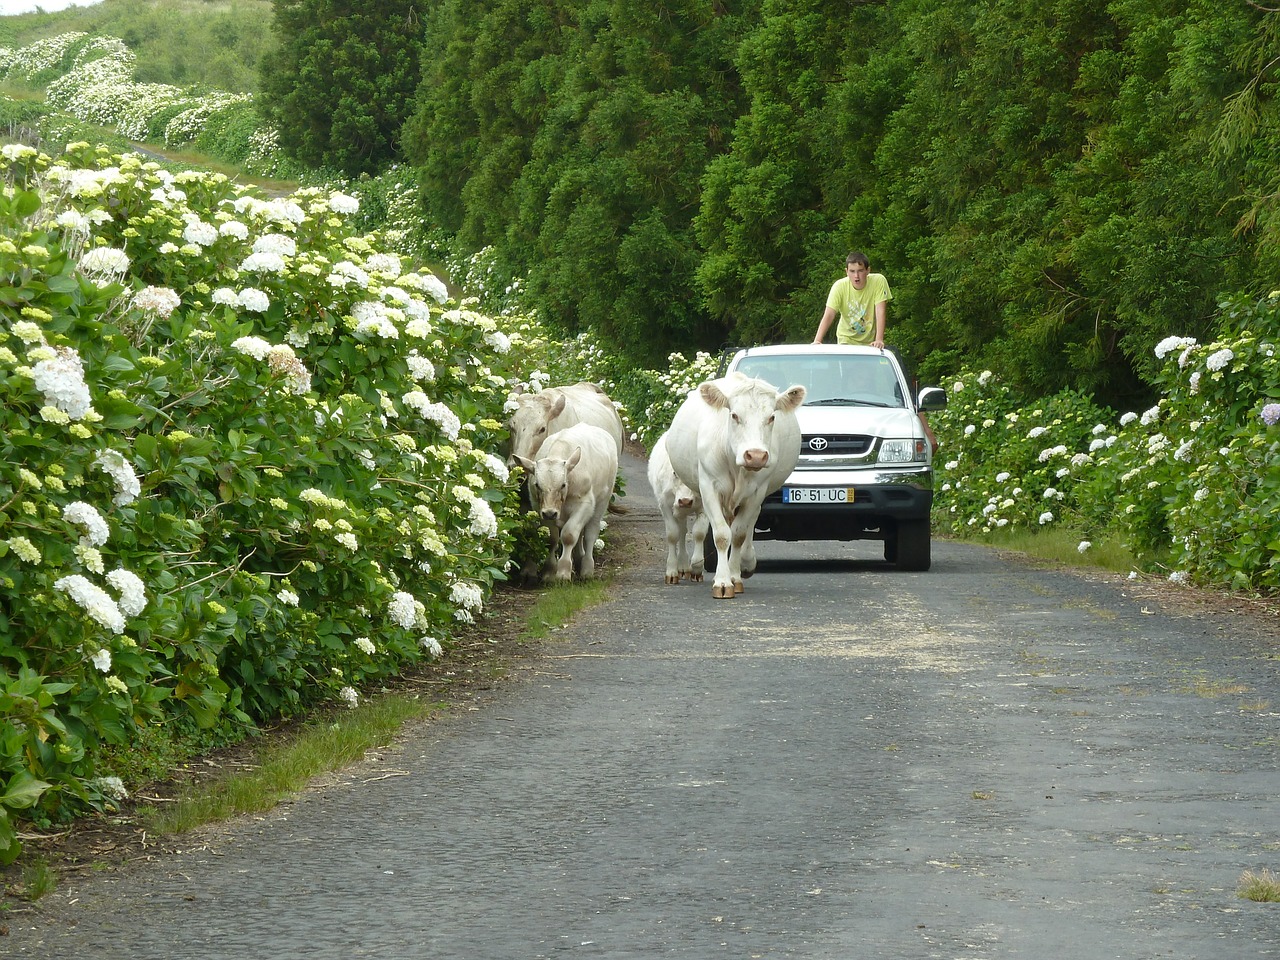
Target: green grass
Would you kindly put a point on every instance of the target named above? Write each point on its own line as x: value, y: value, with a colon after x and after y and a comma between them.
x: 1063, y: 546
x: 1260, y: 887
x: 558, y: 602
x: 282, y: 769
x: 38, y: 880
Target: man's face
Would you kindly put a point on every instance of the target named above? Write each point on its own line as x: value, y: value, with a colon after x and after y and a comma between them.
x: 857, y: 274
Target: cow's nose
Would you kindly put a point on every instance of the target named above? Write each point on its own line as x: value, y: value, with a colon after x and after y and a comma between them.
x: 551, y: 516
x: 755, y: 459
x: 685, y: 502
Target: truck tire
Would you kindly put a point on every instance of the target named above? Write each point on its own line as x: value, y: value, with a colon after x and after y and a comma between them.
x: 913, y: 545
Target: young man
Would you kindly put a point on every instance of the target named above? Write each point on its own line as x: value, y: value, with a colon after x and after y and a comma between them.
x: 861, y: 299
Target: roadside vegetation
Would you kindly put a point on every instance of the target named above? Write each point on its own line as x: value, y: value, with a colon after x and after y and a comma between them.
x: 251, y: 440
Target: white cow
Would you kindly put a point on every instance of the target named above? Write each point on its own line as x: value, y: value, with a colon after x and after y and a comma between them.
x: 682, y: 512
x: 735, y: 440
x: 540, y: 415
x: 570, y: 485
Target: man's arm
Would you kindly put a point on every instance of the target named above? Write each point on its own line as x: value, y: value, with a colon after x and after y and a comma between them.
x: 825, y: 324
x: 882, y: 314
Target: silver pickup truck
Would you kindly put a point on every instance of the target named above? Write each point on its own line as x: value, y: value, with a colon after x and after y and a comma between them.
x: 865, y: 469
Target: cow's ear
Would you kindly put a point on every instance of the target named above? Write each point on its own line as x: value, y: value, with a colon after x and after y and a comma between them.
x: 713, y: 395
x: 791, y: 398
x: 527, y: 464
x: 557, y: 408
x: 573, y: 458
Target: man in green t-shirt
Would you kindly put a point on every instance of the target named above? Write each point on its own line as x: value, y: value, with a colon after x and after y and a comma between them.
x: 861, y: 299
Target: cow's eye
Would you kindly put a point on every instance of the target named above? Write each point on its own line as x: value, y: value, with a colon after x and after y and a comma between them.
x: 771, y: 419
x: 736, y: 418
x: 542, y: 429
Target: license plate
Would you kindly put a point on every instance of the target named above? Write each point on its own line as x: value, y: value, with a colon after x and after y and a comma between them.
x: 817, y: 494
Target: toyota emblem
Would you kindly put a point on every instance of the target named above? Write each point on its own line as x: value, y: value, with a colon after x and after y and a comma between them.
x: 818, y: 443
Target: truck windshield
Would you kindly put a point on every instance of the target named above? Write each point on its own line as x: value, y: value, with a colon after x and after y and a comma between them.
x: 831, y: 381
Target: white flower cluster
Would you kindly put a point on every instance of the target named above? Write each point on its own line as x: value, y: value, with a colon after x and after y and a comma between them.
x: 376, y: 319
x: 61, y: 380
x: 133, y: 594
x: 85, y: 515
x: 161, y: 301
x: 403, y: 609
x: 420, y: 368
x: 1219, y: 359
x: 113, y: 463
x: 104, y: 265
x: 437, y: 412
x: 283, y: 362
x: 1169, y: 344
x: 95, y: 601
x: 250, y: 298
x: 254, y: 347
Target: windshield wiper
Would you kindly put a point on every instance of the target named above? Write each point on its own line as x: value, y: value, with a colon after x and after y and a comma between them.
x: 844, y: 401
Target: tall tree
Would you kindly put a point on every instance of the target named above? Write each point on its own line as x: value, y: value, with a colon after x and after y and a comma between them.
x: 338, y: 88
x: 572, y: 136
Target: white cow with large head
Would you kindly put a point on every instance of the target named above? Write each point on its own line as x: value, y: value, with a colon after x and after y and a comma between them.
x: 735, y: 440
x: 570, y: 485
x: 682, y: 513
x: 540, y: 415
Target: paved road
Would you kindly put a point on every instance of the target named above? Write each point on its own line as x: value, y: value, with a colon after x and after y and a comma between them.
x: 847, y: 762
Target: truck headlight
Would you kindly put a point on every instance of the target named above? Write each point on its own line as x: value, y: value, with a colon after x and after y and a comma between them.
x: 901, y: 451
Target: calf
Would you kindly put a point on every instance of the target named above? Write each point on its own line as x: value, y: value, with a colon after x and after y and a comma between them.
x: 681, y: 509
x: 735, y: 440
x: 570, y: 485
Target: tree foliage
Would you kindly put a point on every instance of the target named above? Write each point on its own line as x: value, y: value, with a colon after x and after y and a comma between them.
x: 1052, y: 186
x: 573, y: 137
x: 339, y: 86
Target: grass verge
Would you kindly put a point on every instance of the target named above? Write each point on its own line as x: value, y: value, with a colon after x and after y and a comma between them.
x: 283, y: 767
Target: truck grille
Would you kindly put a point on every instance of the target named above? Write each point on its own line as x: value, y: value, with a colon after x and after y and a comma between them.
x: 837, y: 444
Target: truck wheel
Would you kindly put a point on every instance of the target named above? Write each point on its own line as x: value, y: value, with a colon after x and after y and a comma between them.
x: 912, y: 551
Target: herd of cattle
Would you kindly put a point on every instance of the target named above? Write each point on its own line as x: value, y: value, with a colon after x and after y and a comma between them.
x: 733, y: 442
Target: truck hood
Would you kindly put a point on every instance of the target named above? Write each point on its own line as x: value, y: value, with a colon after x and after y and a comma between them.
x: 869, y: 421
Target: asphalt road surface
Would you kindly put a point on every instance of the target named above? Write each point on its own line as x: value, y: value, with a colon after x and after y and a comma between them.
x: 987, y: 760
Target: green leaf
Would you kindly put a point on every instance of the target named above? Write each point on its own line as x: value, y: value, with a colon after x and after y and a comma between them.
x: 23, y: 791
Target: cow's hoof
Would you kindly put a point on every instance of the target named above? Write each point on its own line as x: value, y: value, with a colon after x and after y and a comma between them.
x: 737, y: 586
x: 671, y: 579
x: 748, y: 574
x: 723, y: 591
x: 695, y: 578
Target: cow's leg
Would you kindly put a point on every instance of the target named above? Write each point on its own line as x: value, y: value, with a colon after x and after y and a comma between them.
x: 571, y: 543
x: 560, y: 562
x: 749, y: 553
x: 699, y: 535
x: 678, y: 539
x: 735, y: 553
x: 722, y: 586
x: 673, y: 535
x: 586, y: 566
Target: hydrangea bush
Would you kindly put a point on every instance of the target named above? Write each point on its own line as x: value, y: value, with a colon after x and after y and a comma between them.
x: 249, y: 461
x: 1191, y: 484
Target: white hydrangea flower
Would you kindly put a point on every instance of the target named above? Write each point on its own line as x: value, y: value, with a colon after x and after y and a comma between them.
x: 133, y: 594
x: 86, y: 515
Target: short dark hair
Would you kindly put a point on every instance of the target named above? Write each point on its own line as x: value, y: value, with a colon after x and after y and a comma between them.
x: 857, y: 256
